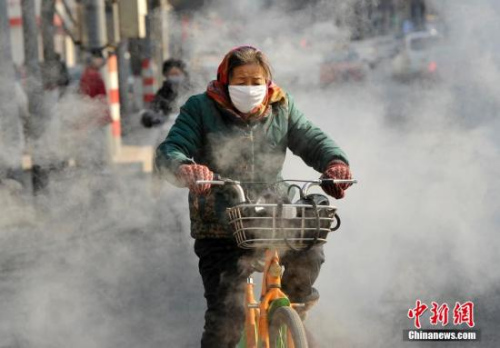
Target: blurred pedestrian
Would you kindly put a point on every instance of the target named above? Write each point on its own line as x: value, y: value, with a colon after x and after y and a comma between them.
x: 91, y: 82
x: 55, y: 75
x: 165, y: 101
x: 92, y: 85
x: 94, y: 125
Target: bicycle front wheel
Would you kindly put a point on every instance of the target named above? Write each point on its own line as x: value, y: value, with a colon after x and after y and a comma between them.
x: 286, y: 329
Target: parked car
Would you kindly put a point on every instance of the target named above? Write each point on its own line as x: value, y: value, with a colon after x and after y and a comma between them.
x: 341, y: 66
x: 417, y: 57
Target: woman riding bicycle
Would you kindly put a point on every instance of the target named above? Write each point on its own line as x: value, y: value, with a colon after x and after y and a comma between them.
x: 241, y: 128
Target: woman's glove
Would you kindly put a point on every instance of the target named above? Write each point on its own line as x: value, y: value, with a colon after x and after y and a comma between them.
x: 188, y: 174
x: 336, y: 170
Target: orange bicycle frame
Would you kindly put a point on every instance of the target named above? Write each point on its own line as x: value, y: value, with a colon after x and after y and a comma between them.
x: 256, y: 320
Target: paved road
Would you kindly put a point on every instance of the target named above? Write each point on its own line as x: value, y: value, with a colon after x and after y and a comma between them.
x: 108, y: 265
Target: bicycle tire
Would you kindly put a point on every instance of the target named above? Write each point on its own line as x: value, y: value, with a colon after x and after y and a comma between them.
x: 284, y: 321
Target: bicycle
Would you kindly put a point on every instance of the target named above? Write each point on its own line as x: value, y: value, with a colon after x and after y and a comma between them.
x: 273, y: 322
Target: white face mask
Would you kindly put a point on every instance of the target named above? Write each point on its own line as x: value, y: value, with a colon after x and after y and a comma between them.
x: 175, y: 79
x: 245, y: 98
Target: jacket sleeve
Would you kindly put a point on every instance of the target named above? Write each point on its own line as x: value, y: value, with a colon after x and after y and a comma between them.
x: 309, y: 142
x: 183, y: 142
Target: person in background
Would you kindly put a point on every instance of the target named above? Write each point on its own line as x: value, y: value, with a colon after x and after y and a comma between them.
x: 92, y: 86
x: 91, y: 82
x: 55, y: 75
x: 165, y: 101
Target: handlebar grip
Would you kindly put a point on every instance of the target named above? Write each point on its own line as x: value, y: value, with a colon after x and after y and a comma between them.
x: 211, y: 182
x: 217, y: 180
x: 340, y: 181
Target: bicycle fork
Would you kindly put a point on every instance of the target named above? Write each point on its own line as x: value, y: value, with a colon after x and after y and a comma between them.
x: 252, y: 314
x: 257, y: 320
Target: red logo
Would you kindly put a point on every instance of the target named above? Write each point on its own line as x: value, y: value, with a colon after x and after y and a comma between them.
x: 462, y: 313
x: 416, y: 313
x: 439, y: 314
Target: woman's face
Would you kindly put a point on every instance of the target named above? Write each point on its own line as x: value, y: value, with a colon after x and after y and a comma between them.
x: 248, y: 75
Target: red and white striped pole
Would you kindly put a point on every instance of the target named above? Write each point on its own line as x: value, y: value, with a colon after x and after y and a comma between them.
x: 114, y: 103
x: 148, y: 82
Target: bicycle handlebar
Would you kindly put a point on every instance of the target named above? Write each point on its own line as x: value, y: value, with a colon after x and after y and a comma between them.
x: 317, y: 182
x: 241, y: 193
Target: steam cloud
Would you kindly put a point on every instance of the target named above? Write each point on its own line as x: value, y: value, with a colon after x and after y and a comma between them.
x: 104, y: 263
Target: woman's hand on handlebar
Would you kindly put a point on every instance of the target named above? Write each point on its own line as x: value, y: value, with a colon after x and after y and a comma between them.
x: 189, y: 174
x: 336, y: 170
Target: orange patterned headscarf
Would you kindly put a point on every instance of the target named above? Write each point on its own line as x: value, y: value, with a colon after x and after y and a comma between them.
x: 217, y: 90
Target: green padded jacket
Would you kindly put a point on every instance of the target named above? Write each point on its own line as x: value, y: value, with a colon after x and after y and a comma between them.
x: 205, y: 134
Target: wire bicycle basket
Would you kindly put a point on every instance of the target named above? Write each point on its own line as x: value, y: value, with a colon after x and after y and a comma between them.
x: 277, y: 225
